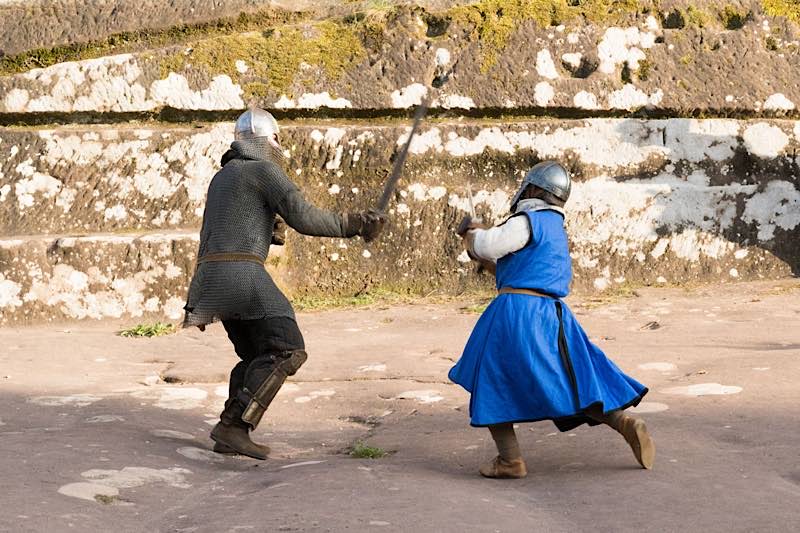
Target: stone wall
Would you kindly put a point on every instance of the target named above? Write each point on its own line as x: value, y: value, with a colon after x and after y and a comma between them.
x: 101, y: 220
x: 31, y: 24
x: 649, y: 62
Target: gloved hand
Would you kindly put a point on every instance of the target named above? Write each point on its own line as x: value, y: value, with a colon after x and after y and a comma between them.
x: 368, y: 224
x: 372, y: 223
x: 279, y: 232
x: 468, y: 223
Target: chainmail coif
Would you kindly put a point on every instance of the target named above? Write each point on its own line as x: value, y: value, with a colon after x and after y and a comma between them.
x: 243, y: 199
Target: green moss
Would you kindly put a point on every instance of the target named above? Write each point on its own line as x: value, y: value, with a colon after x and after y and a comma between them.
x: 686, y: 59
x: 605, y: 11
x: 255, y: 90
x: 698, y: 17
x: 732, y: 18
x: 782, y: 8
x: 274, y: 57
x: 142, y: 39
x: 378, y: 7
x: 643, y: 72
x: 494, y: 21
x: 771, y: 43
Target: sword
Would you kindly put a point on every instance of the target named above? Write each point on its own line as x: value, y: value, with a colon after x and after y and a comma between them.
x: 480, y: 268
x: 472, y: 214
x: 441, y: 76
x: 394, y: 177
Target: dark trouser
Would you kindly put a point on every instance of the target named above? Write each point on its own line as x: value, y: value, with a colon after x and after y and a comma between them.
x: 259, y: 344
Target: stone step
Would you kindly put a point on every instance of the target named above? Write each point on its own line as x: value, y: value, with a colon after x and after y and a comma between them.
x: 31, y: 24
x: 637, y: 179
x: 507, y: 59
x: 146, y: 275
x: 654, y: 201
x: 95, y: 276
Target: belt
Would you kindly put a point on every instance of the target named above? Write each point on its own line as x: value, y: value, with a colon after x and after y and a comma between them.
x: 529, y: 292
x: 230, y: 258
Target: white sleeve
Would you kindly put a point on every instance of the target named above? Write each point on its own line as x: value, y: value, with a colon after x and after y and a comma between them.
x: 494, y: 243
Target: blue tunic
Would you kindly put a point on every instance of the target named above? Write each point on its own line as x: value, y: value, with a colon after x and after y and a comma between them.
x: 528, y: 359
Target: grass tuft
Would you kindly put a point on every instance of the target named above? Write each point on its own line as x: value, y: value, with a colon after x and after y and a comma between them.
x: 371, y: 297
x: 105, y: 500
x: 476, y: 309
x: 362, y: 451
x: 148, y: 330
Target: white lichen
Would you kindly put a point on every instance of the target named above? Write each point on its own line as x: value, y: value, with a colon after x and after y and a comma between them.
x: 585, y: 100
x: 778, y: 102
x: 765, y: 140
x: 323, y: 99
x: 545, y: 66
x: 623, y: 46
x: 543, y: 94
x: 408, y: 96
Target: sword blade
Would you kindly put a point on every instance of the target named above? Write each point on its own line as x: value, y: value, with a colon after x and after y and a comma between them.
x: 397, y: 169
x: 471, y: 202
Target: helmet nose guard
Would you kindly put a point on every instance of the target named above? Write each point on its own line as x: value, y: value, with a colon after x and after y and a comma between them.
x: 550, y: 176
x: 255, y: 123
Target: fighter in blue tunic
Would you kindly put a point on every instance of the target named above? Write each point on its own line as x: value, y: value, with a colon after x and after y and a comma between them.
x: 528, y: 359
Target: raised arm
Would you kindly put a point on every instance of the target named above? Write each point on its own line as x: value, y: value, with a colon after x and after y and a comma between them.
x: 308, y: 219
x: 286, y: 199
x: 487, y: 245
x: 493, y: 243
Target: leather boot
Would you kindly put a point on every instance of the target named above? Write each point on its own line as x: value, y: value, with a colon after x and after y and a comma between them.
x: 500, y: 468
x: 635, y: 433
x: 234, y: 438
x: 231, y: 435
x: 227, y: 450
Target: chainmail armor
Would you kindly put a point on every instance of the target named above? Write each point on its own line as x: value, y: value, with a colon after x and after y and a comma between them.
x: 243, y: 199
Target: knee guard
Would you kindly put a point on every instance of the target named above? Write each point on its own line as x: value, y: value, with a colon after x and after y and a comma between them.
x: 263, y: 380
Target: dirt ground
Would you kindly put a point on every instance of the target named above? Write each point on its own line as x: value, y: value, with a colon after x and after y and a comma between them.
x: 93, y: 439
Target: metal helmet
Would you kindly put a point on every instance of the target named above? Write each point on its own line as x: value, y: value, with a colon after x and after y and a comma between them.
x: 549, y: 176
x: 255, y: 123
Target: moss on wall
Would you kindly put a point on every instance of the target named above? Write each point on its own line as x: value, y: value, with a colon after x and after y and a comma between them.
x: 494, y: 21
x: 144, y: 39
x: 274, y: 58
x: 697, y: 16
x: 789, y: 9
x: 733, y: 18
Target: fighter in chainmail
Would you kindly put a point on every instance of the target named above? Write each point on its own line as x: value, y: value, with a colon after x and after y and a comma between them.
x: 245, y: 199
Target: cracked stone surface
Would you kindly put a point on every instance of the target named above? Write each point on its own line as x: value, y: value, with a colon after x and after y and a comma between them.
x: 84, y: 437
x: 104, y: 224
x: 28, y: 24
x: 100, y: 221
x: 633, y: 61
